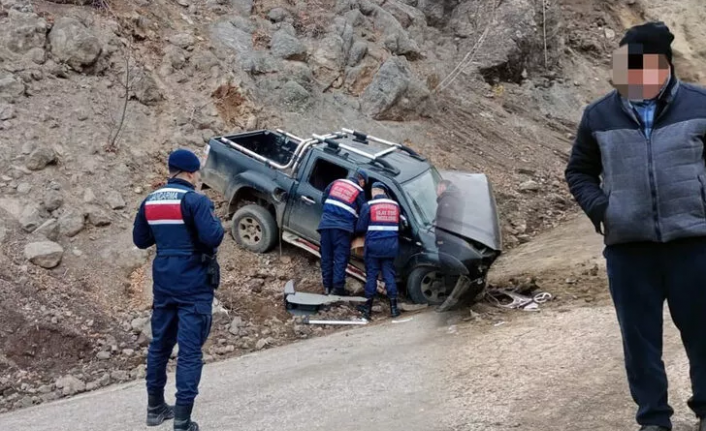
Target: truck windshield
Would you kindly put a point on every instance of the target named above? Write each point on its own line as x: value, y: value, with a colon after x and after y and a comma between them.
x: 421, y: 192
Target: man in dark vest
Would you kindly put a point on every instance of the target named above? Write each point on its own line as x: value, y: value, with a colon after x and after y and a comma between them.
x: 380, y: 221
x: 637, y: 169
x: 187, y: 233
x: 342, y: 200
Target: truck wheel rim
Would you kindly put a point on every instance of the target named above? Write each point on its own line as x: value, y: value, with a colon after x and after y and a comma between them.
x: 250, y: 231
x: 433, y: 287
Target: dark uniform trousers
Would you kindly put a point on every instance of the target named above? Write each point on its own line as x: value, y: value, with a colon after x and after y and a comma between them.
x: 192, y: 322
x: 335, y: 255
x: 642, y: 277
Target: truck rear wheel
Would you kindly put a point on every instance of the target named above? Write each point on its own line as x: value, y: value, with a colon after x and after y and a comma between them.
x: 254, y: 229
x: 426, y: 285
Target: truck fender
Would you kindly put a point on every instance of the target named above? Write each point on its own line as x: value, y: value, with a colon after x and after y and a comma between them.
x: 255, y: 184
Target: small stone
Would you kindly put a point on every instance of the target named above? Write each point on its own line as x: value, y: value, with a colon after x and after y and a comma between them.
x: 138, y: 190
x: 44, y: 389
x: 530, y: 186
x: 76, y: 252
x: 49, y: 229
x: 40, y: 159
x: 70, y: 385
x: 98, y: 218
x: 104, y: 380
x: 412, y: 307
x: 128, y: 352
x: 30, y: 218
x: 7, y: 112
x: 262, y: 343
x: 53, y: 200
x: 103, y: 356
x: 115, y: 200
x: 235, y: 325
x: 89, y: 196
x: 182, y: 40
x: 46, y: 254
x: 277, y: 14
x: 92, y: 386
x: 24, y: 188
x: 72, y: 224
x: 119, y: 376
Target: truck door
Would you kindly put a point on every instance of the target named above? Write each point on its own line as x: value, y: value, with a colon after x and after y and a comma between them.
x: 306, y: 205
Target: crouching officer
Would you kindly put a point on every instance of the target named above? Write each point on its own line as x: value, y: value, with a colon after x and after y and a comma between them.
x: 380, y: 220
x: 342, y: 200
x: 183, y: 226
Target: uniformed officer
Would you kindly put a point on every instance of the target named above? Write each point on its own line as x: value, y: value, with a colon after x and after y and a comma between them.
x: 342, y: 200
x: 380, y: 220
x: 187, y: 233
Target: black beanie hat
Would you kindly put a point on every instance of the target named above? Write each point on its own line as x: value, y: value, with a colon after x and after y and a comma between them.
x: 654, y: 37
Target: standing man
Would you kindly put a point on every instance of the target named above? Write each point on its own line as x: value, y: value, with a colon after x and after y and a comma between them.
x: 637, y: 170
x: 380, y: 220
x: 342, y: 200
x: 187, y: 233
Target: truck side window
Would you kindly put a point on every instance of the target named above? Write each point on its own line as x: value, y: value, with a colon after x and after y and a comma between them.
x: 324, y: 173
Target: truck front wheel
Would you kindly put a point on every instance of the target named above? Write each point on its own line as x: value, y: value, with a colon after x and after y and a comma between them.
x: 427, y: 285
x: 254, y: 229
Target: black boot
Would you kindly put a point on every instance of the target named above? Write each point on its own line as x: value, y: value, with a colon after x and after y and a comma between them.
x: 366, y: 309
x: 340, y: 291
x: 158, y: 411
x: 394, y: 311
x: 182, y: 418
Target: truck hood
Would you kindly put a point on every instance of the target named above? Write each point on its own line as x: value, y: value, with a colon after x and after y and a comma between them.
x: 471, y: 213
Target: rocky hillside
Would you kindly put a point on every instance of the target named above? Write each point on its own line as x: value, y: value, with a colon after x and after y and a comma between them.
x: 95, y: 93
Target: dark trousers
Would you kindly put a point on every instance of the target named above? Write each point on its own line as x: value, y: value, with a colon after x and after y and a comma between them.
x: 189, y: 325
x: 642, y: 277
x: 373, y: 267
x: 335, y: 254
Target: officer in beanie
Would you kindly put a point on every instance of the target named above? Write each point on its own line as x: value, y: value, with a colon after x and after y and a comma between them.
x: 379, y: 220
x: 637, y: 169
x: 187, y: 233
x: 342, y: 200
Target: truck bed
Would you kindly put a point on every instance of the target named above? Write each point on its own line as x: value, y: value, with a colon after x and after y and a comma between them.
x: 273, y: 146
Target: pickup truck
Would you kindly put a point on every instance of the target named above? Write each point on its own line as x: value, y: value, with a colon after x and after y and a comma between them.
x: 273, y: 183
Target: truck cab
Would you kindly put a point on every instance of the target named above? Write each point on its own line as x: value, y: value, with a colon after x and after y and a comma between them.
x: 275, y: 190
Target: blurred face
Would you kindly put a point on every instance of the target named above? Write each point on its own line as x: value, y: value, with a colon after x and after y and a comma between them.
x: 377, y: 191
x: 361, y: 182
x: 639, y: 76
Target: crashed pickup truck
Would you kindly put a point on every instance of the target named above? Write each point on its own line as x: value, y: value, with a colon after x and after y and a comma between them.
x: 273, y: 182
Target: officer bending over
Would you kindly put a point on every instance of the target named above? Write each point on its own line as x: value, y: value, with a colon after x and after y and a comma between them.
x: 342, y: 200
x: 187, y: 233
x: 380, y: 220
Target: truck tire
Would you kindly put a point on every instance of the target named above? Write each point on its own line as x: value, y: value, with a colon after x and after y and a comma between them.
x: 426, y: 285
x: 254, y: 229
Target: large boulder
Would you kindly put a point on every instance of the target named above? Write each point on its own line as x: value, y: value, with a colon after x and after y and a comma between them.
x: 72, y: 43
x: 11, y: 86
x: 144, y: 87
x: 330, y: 53
x: 394, y: 93
x: 509, y: 47
x: 46, y: 254
x: 288, y: 47
x: 396, y: 39
x: 22, y: 32
x: 294, y: 96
